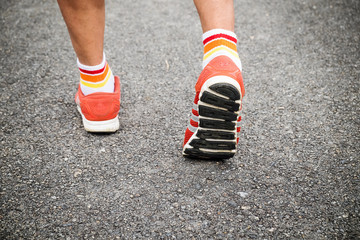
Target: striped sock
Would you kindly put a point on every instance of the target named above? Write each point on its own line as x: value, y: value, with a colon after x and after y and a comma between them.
x: 97, y: 78
x: 218, y: 42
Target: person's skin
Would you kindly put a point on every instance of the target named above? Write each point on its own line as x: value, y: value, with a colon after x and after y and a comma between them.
x: 85, y: 20
x: 216, y: 14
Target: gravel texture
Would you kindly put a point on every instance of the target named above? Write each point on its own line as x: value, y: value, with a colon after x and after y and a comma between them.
x: 296, y: 173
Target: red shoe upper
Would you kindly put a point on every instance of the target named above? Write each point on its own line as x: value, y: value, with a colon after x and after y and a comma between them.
x: 100, y: 106
x: 224, y: 66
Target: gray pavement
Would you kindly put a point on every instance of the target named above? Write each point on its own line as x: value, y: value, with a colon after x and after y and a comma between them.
x: 296, y: 173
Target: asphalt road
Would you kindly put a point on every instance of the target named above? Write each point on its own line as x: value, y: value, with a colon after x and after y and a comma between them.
x: 296, y: 173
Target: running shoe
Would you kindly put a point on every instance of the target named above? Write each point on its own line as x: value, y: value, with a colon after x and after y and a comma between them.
x: 99, y: 111
x: 213, y: 132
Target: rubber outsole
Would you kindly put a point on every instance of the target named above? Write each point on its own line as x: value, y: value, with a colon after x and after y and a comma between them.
x: 215, y: 137
x: 196, y: 153
x: 217, y: 145
x: 215, y: 124
x: 219, y: 101
x: 210, y: 112
x: 226, y: 90
x: 209, y: 134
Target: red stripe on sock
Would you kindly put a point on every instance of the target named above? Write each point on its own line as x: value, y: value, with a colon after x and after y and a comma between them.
x: 92, y: 72
x: 220, y: 35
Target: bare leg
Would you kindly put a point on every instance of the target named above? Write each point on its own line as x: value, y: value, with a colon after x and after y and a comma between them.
x: 85, y: 20
x: 216, y: 14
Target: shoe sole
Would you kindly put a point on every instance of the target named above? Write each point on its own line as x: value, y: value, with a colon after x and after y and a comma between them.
x: 219, y: 106
x: 111, y: 125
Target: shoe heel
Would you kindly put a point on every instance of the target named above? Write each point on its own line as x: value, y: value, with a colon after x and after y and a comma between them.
x: 111, y: 125
x: 219, y: 107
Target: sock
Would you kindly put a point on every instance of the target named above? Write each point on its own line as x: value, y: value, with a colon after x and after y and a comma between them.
x: 218, y: 42
x: 97, y: 78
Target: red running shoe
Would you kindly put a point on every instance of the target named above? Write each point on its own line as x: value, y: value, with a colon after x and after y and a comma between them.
x: 214, y: 124
x: 99, y: 111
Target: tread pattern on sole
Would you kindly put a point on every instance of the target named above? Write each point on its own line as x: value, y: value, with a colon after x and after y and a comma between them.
x: 215, y: 100
x: 215, y: 124
x: 216, y: 113
x: 208, y: 134
x: 196, y: 153
x: 218, y: 145
x: 226, y: 90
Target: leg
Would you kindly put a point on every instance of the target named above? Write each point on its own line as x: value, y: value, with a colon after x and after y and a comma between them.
x: 216, y: 14
x: 98, y: 97
x: 214, y: 125
x: 85, y: 20
x: 217, y: 17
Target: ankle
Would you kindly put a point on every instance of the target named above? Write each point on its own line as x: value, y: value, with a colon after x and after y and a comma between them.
x: 98, y: 78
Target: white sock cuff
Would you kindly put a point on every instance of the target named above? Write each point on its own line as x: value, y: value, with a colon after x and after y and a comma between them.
x: 218, y: 31
x: 92, y: 68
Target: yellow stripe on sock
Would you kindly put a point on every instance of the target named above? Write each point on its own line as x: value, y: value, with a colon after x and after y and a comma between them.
x: 219, y: 49
x: 97, y: 85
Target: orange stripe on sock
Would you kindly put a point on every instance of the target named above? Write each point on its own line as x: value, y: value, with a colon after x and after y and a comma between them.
x: 96, y: 78
x: 219, y: 42
x: 97, y: 85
